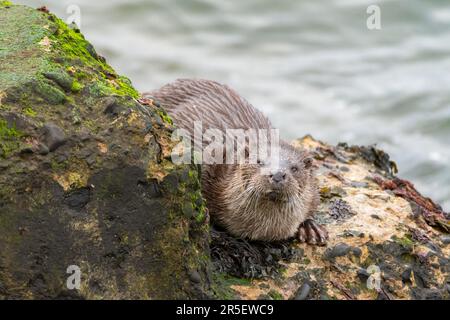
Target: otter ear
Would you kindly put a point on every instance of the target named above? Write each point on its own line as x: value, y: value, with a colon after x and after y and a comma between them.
x: 308, y: 162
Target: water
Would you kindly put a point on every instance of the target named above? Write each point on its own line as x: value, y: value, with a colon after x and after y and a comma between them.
x: 312, y: 66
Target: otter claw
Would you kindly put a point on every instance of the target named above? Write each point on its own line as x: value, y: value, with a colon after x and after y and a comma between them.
x: 302, y: 234
x: 312, y: 233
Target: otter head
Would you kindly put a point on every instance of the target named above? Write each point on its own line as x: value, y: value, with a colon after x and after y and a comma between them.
x: 273, y: 182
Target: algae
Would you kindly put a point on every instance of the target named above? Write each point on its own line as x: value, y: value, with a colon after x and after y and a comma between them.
x: 9, y: 139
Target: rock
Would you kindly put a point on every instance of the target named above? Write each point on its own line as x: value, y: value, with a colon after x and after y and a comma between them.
x: 445, y: 239
x: 353, y: 233
x: 339, y: 250
x: 357, y: 252
x: 99, y: 200
x: 62, y: 79
x: 195, y: 277
x: 359, y: 184
x: 362, y: 251
x: 363, y: 275
x: 113, y: 107
x: 361, y: 198
x: 303, y: 292
x: 43, y: 149
x: 406, y: 275
x: 77, y: 199
x: 54, y: 136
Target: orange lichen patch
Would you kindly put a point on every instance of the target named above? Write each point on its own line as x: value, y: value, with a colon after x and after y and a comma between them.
x: 133, y: 118
x: 103, y: 148
x: 248, y: 292
x: 159, y: 171
x: 147, y: 138
x: 71, y: 180
x: 2, y: 96
x: 307, y: 142
x: 166, y: 145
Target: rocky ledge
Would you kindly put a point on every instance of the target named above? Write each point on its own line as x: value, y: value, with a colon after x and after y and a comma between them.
x: 386, y: 240
x: 86, y: 181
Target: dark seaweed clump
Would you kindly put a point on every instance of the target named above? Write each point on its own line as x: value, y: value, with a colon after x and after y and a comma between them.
x: 249, y: 259
x: 373, y: 155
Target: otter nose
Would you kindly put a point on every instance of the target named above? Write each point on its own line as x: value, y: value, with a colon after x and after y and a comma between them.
x: 278, y: 177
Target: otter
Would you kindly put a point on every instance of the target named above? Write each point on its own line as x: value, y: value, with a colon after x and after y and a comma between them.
x: 248, y: 201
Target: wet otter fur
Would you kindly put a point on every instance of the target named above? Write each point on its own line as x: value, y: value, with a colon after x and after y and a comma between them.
x: 247, y: 201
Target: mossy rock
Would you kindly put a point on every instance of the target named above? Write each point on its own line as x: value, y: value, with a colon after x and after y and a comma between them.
x: 84, y: 176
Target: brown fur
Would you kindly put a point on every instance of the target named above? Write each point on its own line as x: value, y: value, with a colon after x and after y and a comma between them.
x: 238, y: 196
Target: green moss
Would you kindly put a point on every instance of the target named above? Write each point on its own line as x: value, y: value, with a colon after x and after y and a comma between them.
x: 59, y: 166
x: 275, y: 295
x: 29, y: 112
x: 21, y: 56
x: 125, y: 88
x: 164, y: 116
x: 92, y: 125
x: 200, y: 217
x: 80, y: 75
x: 222, y: 285
x: 187, y: 209
x: 237, y: 281
x: 49, y: 93
x: 76, y: 86
x: 9, y: 139
x: 198, y: 204
x: 306, y: 261
x: 406, y: 241
x: 6, y: 3
x: 193, y: 174
x: 76, y: 48
x: 61, y: 78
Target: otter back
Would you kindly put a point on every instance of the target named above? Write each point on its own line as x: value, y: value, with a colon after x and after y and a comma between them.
x: 216, y: 105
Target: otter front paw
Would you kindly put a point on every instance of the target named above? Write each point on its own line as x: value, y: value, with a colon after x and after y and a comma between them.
x: 311, y: 232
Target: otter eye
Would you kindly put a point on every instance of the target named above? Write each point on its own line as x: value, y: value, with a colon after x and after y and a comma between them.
x: 260, y: 162
x: 294, y: 169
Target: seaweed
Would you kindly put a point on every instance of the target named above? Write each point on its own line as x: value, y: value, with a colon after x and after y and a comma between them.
x: 249, y: 259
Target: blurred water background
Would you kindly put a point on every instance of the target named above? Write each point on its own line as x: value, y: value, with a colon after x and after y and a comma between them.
x: 311, y: 66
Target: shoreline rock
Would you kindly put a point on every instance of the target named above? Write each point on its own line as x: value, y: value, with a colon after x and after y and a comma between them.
x: 86, y: 184
x: 376, y: 234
